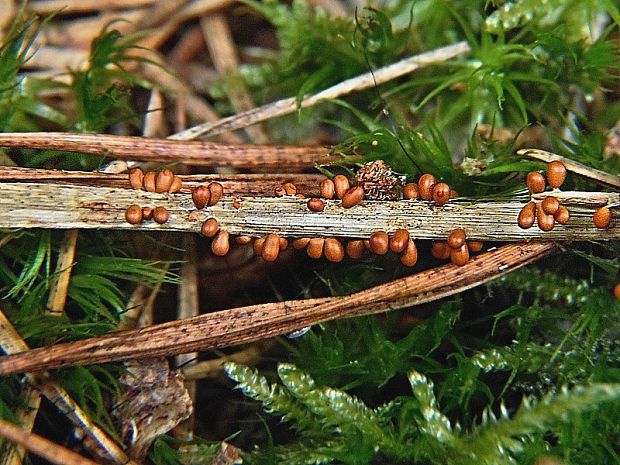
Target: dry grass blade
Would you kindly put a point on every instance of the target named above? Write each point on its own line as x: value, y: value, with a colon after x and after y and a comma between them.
x: 247, y: 324
x: 12, y: 343
x: 574, y: 166
x: 67, y: 206
x: 289, y: 105
x: 169, y: 151
x: 60, y: 286
x: 41, y: 446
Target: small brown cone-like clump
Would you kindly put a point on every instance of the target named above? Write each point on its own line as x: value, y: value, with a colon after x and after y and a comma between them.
x: 456, y: 239
x: 149, y: 181
x: 550, y: 205
x: 341, y: 185
x: 176, y: 185
x: 379, y: 181
x: 163, y: 180
x: 460, y: 256
x: 562, y: 215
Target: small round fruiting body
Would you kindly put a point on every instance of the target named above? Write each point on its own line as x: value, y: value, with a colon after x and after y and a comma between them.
x: 535, y: 182
x: 327, y: 188
x: 545, y: 222
x: 289, y: 188
x: 315, y: 247
x: 283, y: 243
x: 210, y: 227
x: 460, y: 256
x: 271, y: 248
x: 411, y: 191
x: 221, y: 243
x: 456, y: 239
x: 441, y: 193
x: 453, y: 194
x: 217, y: 191
x: 379, y: 243
x: 243, y: 240
x: 258, y: 245
x: 399, y: 240
x: 160, y: 215
x: 352, y: 197
x: 426, y: 183
x: 410, y: 256
x: 316, y: 205
x: 279, y: 191
x: 550, y: 205
x: 562, y: 215
x: 147, y: 213
x: 475, y: 246
x: 136, y: 178
x: 201, y: 196
x: 164, y: 180
x: 149, y: 181
x: 556, y: 173
x: 602, y: 217
x: 341, y: 185
x: 527, y: 216
x: 440, y: 250
x: 133, y: 214
x: 176, y: 185
x: 617, y: 291
x: 355, y: 248
x: 301, y: 243
x: 334, y: 251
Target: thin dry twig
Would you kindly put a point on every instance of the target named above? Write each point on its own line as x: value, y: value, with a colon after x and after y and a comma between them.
x: 290, y: 105
x: 60, y: 286
x: 574, y: 166
x: 224, y: 56
x: 12, y: 343
x: 66, y: 206
x: 248, y: 324
x: 41, y: 446
x: 172, y: 151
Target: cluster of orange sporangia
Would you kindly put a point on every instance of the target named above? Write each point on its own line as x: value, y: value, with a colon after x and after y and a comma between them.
x: 457, y: 248
x: 549, y: 211
x: 162, y: 181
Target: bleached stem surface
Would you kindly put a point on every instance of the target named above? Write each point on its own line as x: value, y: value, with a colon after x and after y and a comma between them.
x: 65, y: 206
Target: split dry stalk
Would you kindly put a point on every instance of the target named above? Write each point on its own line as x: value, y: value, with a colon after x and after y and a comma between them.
x: 355, y: 84
x: 574, y: 166
x: 12, y: 343
x: 173, y: 151
x: 68, y: 206
x: 42, y: 447
x: 256, y: 322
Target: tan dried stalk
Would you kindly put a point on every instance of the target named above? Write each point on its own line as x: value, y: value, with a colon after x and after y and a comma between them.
x: 88, y: 206
x: 198, y: 153
x: 256, y: 322
x: 41, y: 446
